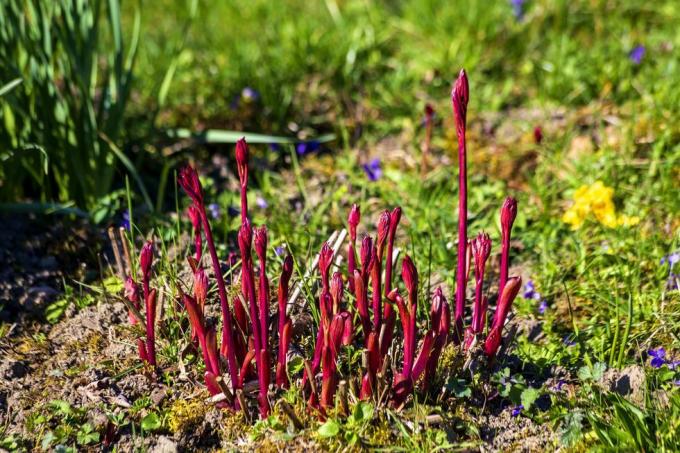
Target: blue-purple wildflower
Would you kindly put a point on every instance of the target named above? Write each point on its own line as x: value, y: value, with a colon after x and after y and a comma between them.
x: 559, y: 385
x: 517, y: 9
x: 261, y: 203
x: 214, y: 210
x: 543, y: 306
x: 671, y: 259
x: 274, y: 147
x: 373, y: 169
x: 250, y: 94
x: 637, y: 54
x: 307, y: 147
x: 517, y: 410
x: 125, y: 222
x: 658, y: 357
x: 279, y: 250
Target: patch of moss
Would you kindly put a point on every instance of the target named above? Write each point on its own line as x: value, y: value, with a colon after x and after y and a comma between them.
x: 234, y: 425
x: 184, y: 414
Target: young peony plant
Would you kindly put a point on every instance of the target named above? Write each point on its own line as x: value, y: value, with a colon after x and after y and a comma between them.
x: 358, y: 307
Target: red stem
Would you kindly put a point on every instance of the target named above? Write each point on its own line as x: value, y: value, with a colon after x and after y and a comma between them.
x: 227, y: 327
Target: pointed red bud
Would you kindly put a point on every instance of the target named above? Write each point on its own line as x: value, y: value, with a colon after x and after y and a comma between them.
x: 287, y: 270
x: 188, y: 180
x: 409, y: 274
x: 242, y: 160
x: 481, y: 249
x: 508, y: 213
x: 337, y: 288
x: 383, y: 230
x: 325, y: 261
x: 353, y: 220
x: 505, y: 300
x: 460, y: 96
x: 395, y: 217
x: 146, y: 259
x: 261, y: 242
x: 245, y: 239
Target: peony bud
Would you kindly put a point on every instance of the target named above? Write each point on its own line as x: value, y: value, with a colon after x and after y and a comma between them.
x: 353, y: 220
x: 188, y: 180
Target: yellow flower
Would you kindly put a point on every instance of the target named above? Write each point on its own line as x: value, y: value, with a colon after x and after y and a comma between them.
x: 596, y: 200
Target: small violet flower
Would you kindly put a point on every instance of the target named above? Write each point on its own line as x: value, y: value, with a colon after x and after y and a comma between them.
x: 214, y: 210
x: 125, y: 223
x: 671, y: 259
x: 373, y: 169
x: 636, y: 54
x: 559, y: 385
x: 543, y: 306
x: 279, y: 250
x: 658, y: 357
x: 517, y: 9
x: 261, y: 203
x: 307, y: 147
x: 250, y: 95
x: 517, y: 410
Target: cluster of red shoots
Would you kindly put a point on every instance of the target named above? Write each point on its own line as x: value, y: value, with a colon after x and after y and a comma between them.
x: 245, y: 336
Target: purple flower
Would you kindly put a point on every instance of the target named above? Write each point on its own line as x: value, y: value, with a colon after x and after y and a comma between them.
x: 125, y: 223
x: 279, y: 250
x: 671, y: 259
x: 530, y: 291
x: 373, y: 169
x: 543, y: 306
x: 261, y: 202
x: 517, y: 9
x: 559, y: 385
x: 636, y: 54
x: 517, y: 410
x: 214, y: 210
x: 677, y: 383
x: 250, y: 95
x: 307, y: 147
x: 274, y: 147
x: 658, y: 357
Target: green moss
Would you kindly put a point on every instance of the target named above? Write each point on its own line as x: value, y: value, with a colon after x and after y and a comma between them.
x: 184, y: 414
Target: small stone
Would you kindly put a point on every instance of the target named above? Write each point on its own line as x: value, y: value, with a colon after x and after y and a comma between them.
x: 164, y: 445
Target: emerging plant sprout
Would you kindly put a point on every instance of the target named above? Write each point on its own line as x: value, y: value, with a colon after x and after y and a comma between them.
x: 358, y: 306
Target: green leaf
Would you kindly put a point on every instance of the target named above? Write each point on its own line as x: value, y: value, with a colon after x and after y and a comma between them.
x: 329, y: 429
x: 9, y: 86
x: 224, y: 136
x: 87, y: 435
x: 528, y: 397
x: 362, y: 412
x: 458, y: 387
x: 151, y: 422
x: 55, y: 310
x: 571, y: 428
